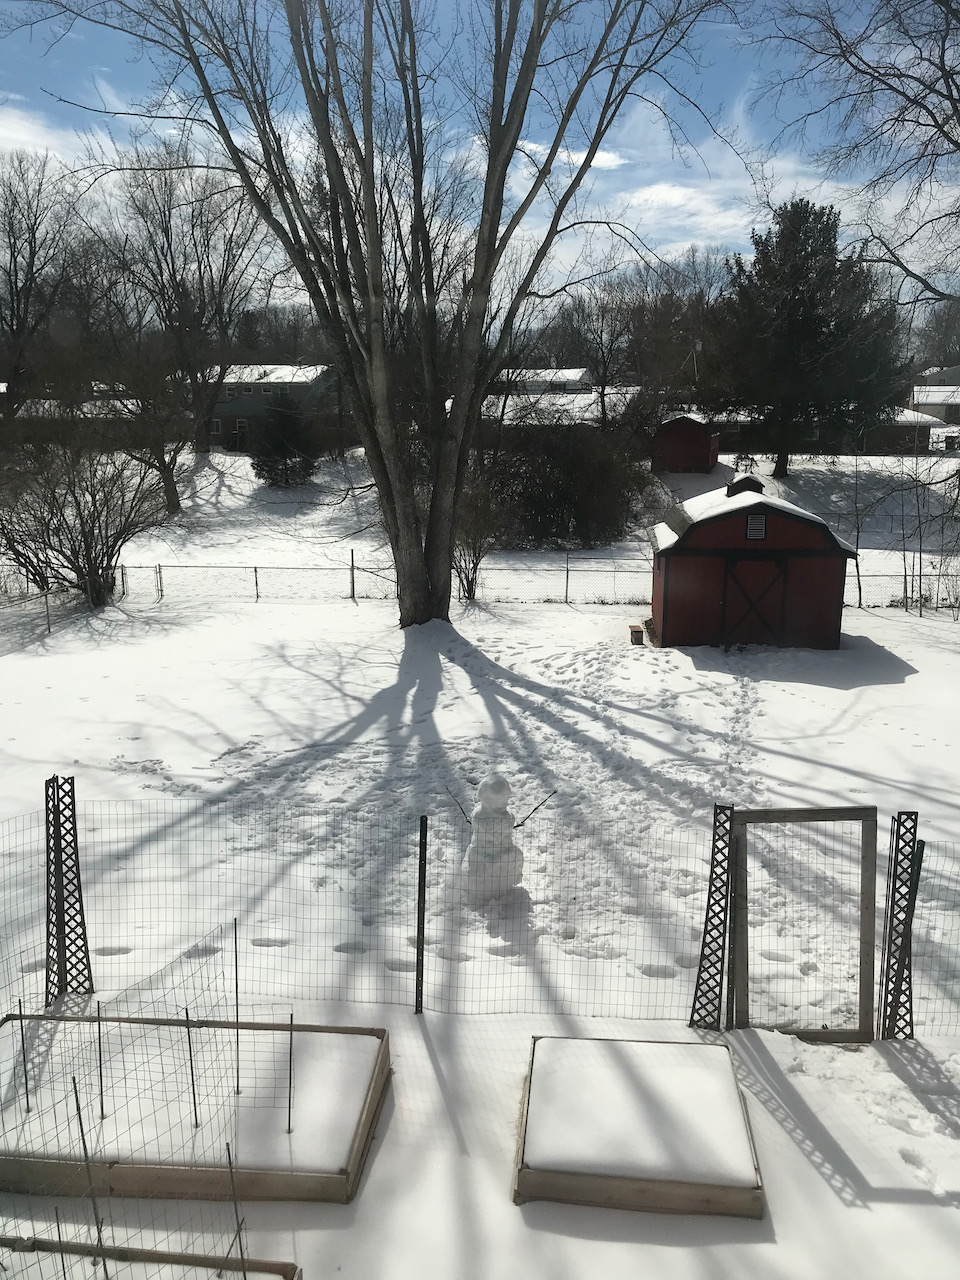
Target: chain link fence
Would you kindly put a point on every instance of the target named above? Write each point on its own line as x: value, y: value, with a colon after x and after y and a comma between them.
x: 923, y: 582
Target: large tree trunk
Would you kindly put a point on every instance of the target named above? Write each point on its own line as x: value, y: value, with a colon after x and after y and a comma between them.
x: 781, y: 464
x: 171, y: 496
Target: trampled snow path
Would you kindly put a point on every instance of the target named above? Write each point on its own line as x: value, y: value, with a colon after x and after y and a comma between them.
x: 334, y: 705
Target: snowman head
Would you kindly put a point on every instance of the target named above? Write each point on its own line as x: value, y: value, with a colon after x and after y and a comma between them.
x: 494, y: 792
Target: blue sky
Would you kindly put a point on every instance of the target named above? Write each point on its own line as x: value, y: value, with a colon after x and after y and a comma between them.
x: 705, y: 195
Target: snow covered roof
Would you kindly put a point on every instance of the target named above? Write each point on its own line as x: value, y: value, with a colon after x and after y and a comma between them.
x: 715, y: 504
x: 546, y: 376
x: 556, y: 407
x: 693, y: 414
x: 913, y: 418
x: 936, y: 395
x: 273, y: 373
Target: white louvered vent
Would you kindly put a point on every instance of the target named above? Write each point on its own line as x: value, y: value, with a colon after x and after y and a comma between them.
x: 756, y: 527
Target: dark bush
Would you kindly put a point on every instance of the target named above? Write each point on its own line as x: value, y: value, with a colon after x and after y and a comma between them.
x: 569, y: 485
x: 284, y: 445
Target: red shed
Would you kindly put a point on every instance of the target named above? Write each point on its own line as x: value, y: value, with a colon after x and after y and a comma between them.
x: 686, y: 443
x: 737, y: 567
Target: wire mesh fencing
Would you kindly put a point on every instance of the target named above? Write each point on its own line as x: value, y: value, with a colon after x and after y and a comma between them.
x: 936, y: 941
x: 598, y: 920
x: 804, y: 925
x: 184, y: 902
x: 211, y: 907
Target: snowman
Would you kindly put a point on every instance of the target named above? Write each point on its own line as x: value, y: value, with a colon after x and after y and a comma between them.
x: 493, y: 865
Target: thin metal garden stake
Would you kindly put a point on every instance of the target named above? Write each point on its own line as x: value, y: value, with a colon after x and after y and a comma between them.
x: 421, y: 916
x: 236, y: 1211
x: 98, y: 1221
x: 290, y: 1080
x: 236, y: 992
x: 23, y: 1049
x: 63, y: 1259
x: 103, y: 1114
x: 193, y: 1078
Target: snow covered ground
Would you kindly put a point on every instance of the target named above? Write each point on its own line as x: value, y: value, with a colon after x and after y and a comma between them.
x: 328, y: 706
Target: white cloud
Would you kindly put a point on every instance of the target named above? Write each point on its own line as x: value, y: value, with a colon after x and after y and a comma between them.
x: 32, y: 131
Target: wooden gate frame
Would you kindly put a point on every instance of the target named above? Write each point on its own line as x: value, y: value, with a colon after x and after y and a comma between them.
x: 739, y: 925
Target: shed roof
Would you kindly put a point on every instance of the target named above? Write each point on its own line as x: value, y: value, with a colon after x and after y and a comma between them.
x: 716, y: 505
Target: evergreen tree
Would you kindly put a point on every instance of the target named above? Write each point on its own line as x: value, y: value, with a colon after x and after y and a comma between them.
x: 812, y: 341
x: 283, y: 446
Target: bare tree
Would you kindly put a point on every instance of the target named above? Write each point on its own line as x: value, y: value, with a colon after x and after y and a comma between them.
x: 194, y: 256
x: 67, y: 515
x: 418, y: 174
x: 886, y: 76
x: 35, y: 207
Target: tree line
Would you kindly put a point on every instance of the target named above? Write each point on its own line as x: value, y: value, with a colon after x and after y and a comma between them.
x: 419, y: 179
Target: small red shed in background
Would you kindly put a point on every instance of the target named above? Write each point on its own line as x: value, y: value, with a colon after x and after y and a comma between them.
x: 736, y: 567
x: 687, y: 442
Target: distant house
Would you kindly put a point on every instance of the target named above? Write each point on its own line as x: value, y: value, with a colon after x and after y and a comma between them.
x: 535, y: 382
x: 941, y: 401
x: 907, y: 431
x: 250, y: 392
x: 947, y: 376
x: 687, y: 442
x: 50, y: 415
x: 544, y: 397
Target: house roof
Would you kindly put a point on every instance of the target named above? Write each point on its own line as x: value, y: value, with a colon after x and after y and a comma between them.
x: 936, y: 395
x: 558, y: 407
x: 913, y: 418
x: 273, y: 373
x: 715, y: 505
x: 516, y: 376
x: 694, y: 415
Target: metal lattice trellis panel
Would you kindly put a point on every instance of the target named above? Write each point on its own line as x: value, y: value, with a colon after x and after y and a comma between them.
x: 896, y: 975
x: 68, y: 952
x: 708, y: 995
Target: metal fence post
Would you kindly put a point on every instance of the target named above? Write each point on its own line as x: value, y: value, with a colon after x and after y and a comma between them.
x: 708, y: 994
x: 159, y: 584
x: 46, y: 603
x: 566, y: 581
x: 421, y: 914
x: 895, y: 1020
x: 256, y: 585
x: 353, y: 577
x: 68, y: 952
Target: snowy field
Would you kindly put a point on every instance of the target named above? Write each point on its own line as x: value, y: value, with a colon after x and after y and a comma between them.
x: 327, y: 707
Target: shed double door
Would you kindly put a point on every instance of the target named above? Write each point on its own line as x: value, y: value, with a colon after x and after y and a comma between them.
x: 754, y: 599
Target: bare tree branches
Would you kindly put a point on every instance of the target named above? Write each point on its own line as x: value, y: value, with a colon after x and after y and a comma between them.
x: 417, y: 184
x: 885, y: 77
x: 67, y: 516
